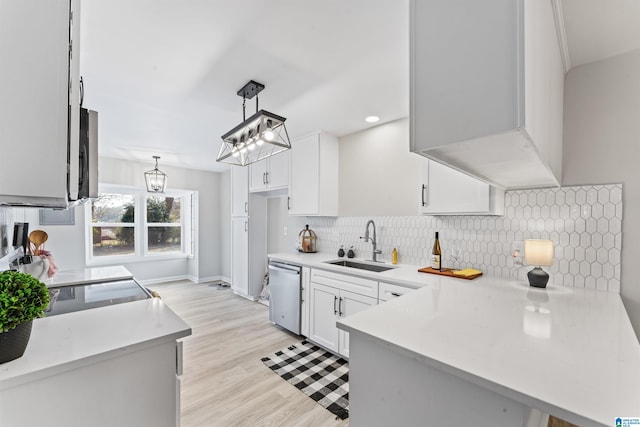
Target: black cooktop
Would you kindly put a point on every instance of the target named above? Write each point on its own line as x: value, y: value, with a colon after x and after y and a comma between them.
x: 66, y: 299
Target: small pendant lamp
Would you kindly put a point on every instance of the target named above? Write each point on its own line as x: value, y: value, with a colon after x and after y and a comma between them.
x: 155, y: 179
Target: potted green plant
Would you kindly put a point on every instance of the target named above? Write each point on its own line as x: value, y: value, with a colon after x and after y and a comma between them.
x: 22, y: 299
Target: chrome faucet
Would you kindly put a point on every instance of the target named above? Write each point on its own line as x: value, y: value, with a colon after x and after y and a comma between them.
x: 367, y: 237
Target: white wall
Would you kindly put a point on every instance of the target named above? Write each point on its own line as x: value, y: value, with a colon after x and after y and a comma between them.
x: 66, y: 242
x: 224, y: 212
x: 601, y: 145
x: 378, y: 174
x: 277, y: 218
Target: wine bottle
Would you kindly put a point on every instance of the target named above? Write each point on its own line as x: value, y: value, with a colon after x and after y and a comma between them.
x: 436, y: 255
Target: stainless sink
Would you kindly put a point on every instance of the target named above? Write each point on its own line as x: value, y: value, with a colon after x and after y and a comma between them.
x: 360, y: 265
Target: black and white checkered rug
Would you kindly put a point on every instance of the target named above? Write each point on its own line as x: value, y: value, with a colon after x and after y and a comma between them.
x: 319, y: 374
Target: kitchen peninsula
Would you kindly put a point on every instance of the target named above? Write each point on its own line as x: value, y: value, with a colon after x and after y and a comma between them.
x: 483, y: 351
x: 113, y: 365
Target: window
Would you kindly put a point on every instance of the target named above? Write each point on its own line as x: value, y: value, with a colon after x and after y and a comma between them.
x: 113, y: 225
x: 129, y: 224
x: 164, y: 229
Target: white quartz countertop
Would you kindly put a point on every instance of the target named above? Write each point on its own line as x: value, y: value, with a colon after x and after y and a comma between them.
x: 568, y: 352
x: 89, y: 275
x: 401, y: 274
x: 69, y: 341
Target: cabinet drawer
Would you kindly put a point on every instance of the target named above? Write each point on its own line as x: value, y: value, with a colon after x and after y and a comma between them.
x: 388, y: 291
x: 357, y: 285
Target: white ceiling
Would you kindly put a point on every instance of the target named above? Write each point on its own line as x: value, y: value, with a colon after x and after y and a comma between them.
x: 163, y: 74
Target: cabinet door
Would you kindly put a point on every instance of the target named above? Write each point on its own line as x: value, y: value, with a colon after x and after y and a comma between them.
x: 447, y: 191
x: 34, y: 89
x: 258, y: 175
x: 323, y: 315
x: 304, y: 174
x: 278, y: 171
x: 240, y: 255
x: 239, y: 191
x: 350, y: 303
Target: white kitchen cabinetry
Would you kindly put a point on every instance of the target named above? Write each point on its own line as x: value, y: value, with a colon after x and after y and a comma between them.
x: 239, y: 191
x: 334, y: 296
x: 389, y: 291
x: 130, y: 386
x: 487, y: 89
x: 306, y: 298
x: 271, y: 173
x: 248, y: 236
x: 313, y: 175
x: 445, y: 191
x: 39, y: 101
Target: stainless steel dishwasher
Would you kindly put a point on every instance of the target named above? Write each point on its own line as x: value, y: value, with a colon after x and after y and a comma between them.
x: 285, y: 295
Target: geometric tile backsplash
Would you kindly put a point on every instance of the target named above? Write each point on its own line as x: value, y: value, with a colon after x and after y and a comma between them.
x: 584, y: 223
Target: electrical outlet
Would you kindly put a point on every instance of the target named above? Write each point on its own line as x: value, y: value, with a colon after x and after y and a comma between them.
x: 517, y: 252
x: 284, y: 230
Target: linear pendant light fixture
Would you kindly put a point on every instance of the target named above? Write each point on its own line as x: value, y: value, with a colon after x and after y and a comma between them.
x: 260, y: 136
x: 155, y: 179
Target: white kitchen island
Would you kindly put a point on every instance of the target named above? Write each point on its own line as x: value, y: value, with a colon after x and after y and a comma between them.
x: 117, y: 365
x: 484, y: 352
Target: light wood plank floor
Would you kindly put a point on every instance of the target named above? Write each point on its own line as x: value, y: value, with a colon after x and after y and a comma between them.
x: 224, y: 381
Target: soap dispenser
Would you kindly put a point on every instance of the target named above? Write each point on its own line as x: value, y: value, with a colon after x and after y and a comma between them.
x: 351, y: 254
x: 341, y: 251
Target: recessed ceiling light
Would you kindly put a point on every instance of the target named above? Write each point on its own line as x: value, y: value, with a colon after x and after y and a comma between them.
x: 371, y: 119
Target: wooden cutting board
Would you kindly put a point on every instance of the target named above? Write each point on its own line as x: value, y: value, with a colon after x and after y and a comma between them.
x: 447, y: 272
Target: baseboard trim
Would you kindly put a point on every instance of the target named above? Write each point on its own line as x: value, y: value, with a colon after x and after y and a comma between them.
x: 163, y: 279
x: 209, y: 279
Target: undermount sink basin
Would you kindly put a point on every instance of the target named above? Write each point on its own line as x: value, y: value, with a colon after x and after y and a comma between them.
x: 360, y: 265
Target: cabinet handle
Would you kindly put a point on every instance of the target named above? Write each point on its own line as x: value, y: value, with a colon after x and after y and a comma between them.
x: 264, y: 177
x: 395, y: 294
x: 246, y: 207
x: 246, y: 226
x: 267, y: 177
x: 288, y: 203
x: 340, y: 307
x: 425, y: 200
x: 335, y: 310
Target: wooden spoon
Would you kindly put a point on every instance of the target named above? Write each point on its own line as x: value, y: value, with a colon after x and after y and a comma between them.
x: 37, y: 237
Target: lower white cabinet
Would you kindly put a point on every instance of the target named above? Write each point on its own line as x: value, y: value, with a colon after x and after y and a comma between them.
x: 389, y: 291
x: 137, y: 386
x: 306, y: 298
x: 330, y: 301
x: 240, y: 255
x: 249, y: 249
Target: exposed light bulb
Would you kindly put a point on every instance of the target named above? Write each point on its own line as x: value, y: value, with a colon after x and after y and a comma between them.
x: 372, y: 119
x: 235, y: 153
x: 251, y: 146
x: 259, y: 141
x: 243, y: 150
x: 269, y: 135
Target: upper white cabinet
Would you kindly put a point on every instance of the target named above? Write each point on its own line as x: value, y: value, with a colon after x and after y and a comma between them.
x: 445, y: 191
x: 39, y: 101
x: 271, y: 173
x: 487, y: 89
x: 239, y: 191
x: 313, y: 175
